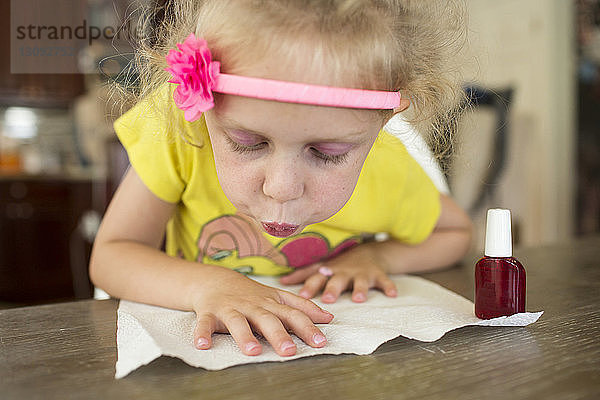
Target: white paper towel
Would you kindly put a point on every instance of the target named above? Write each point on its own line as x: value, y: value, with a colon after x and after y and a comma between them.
x: 423, y: 311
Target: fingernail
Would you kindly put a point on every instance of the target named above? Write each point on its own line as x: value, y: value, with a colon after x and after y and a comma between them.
x: 328, y: 297
x: 250, y: 347
x: 327, y: 312
x: 285, y: 346
x: 359, y: 297
x: 319, y: 339
x: 305, y: 294
x: 392, y: 293
x: 325, y: 271
x: 202, y: 343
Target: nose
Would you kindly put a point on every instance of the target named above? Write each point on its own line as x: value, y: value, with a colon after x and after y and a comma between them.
x: 283, y: 180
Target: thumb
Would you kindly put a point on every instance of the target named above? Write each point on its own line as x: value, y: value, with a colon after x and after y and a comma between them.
x: 300, y: 275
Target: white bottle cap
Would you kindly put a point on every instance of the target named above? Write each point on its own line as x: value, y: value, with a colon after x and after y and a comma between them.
x: 498, y: 240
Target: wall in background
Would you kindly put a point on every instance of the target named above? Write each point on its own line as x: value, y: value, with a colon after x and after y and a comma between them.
x: 530, y: 47
x: 588, y: 130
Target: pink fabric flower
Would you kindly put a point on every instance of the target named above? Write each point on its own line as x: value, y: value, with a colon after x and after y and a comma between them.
x: 195, y: 73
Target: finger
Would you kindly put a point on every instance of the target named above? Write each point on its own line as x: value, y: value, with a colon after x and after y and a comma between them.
x: 300, y: 275
x: 205, y: 327
x: 360, y: 288
x: 387, y: 286
x: 334, y: 287
x: 298, y: 322
x: 271, y: 327
x: 237, y: 325
x: 313, y: 311
x: 313, y: 285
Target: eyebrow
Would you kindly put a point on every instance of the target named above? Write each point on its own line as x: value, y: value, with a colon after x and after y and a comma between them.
x: 224, y: 121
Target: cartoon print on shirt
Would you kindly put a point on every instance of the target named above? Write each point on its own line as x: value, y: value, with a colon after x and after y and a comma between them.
x: 232, y: 241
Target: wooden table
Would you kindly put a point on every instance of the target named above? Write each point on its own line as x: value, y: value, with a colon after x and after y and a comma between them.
x: 68, y: 351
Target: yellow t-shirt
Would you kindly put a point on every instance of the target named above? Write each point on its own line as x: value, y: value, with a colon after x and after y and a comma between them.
x: 393, y: 195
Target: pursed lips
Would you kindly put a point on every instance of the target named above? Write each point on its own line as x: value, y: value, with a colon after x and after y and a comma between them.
x: 279, y: 229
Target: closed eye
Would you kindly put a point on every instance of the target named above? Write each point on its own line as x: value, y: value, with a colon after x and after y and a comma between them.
x: 321, y: 156
x: 244, y: 149
x: 329, y: 158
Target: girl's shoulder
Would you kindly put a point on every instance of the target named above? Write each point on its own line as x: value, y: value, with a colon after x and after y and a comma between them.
x: 162, y: 146
x: 156, y: 118
x: 397, y: 163
x: 387, y: 154
x: 400, y: 147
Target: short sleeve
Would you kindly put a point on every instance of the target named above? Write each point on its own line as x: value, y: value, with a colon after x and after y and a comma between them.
x: 154, y: 152
x: 418, y: 206
x: 418, y: 209
x: 393, y: 195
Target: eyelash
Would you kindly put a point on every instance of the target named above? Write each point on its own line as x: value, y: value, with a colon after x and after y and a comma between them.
x: 328, y: 158
x: 322, y: 157
x: 240, y: 148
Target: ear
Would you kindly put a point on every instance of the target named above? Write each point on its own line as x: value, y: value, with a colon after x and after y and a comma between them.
x: 404, y: 104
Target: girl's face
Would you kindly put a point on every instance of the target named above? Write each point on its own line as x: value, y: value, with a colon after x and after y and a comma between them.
x: 288, y: 165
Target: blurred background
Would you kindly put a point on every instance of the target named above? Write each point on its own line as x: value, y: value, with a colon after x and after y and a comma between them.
x: 530, y: 143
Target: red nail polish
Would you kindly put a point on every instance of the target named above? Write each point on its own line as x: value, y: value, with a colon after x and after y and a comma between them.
x: 499, y: 277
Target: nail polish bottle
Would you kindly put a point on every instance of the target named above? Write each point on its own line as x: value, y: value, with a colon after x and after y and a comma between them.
x: 499, y: 277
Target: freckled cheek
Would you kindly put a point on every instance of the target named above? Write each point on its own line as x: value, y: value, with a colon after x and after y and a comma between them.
x: 330, y: 193
x: 338, y: 187
x: 238, y: 180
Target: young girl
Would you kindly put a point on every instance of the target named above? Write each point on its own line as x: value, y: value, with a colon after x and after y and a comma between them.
x: 265, y: 154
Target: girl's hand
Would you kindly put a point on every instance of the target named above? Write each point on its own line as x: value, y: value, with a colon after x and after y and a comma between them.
x: 357, y: 269
x: 238, y: 305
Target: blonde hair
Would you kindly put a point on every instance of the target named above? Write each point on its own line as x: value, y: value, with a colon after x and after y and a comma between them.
x: 406, y: 45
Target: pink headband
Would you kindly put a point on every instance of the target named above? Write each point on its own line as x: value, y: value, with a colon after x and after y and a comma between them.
x: 198, y: 76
